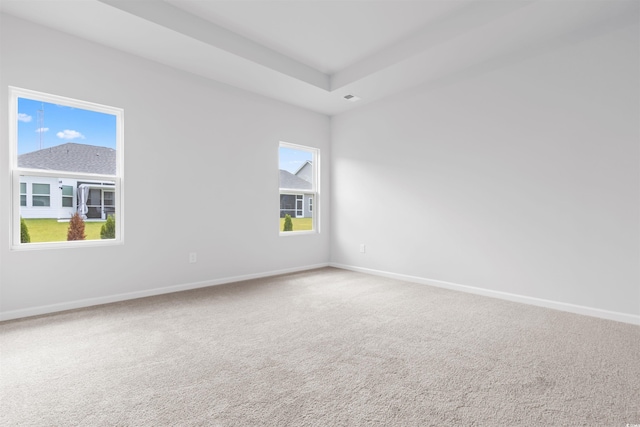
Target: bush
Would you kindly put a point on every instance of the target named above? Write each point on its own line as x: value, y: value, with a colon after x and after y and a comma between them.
x: 76, y: 228
x: 288, y: 224
x: 108, y: 230
x: 24, y: 232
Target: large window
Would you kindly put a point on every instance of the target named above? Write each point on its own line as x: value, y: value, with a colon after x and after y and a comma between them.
x: 299, y: 186
x: 66, y: 160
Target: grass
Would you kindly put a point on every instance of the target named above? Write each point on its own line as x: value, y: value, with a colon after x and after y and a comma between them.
x: 299, y: 224
x: 50, y: 230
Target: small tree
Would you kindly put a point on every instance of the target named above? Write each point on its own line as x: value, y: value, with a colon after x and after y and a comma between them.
x: 108, y: 230
x: 76, y: 228
x: 288, y: 224
x: 24, y: 232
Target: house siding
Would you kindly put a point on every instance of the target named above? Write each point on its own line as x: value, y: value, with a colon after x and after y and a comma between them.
x: 55, y: 208
x: 306, y: 172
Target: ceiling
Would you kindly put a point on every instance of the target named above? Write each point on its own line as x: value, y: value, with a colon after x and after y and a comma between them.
x: 312, y: 53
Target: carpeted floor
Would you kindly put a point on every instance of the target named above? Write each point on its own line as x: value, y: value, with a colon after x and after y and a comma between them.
x: 327, y: 347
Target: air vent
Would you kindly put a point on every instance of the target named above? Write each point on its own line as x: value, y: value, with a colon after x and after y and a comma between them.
x: 351, y: 98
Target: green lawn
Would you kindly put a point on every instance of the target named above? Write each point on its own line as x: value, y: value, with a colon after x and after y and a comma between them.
x: 299, y: 224
x: 50, y: 230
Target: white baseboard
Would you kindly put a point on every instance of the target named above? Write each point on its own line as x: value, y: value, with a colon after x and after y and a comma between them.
x: 71, y: 305
x: 571, y: 308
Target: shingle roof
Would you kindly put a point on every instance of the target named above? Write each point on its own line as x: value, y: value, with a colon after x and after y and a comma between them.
x: 72, y: 157
x: 289, y: 180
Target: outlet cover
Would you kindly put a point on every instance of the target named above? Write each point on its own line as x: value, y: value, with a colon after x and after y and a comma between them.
x: 193, y: 257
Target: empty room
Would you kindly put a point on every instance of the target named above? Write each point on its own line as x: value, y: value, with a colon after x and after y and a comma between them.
x: 319, y: 213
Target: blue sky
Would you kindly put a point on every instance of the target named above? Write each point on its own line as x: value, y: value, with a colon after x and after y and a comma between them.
x: 62, y: 124
x: 291, y: 159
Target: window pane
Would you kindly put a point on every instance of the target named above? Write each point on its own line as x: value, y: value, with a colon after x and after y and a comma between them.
x: 41, y: 201
x: 298, y: 168
x: 23, y: 188
x: 109, y: 197
x: 63, y: 138
x: 287, y: 204
x: 94, y: 196
x: 40, y: 189
x: 48, y: 220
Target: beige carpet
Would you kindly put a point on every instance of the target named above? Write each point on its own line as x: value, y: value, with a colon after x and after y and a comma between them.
x: 321, y: 348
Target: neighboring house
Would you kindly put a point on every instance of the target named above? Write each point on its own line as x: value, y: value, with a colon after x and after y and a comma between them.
x: 293, y: 199
x: 60, y: 198
x: 305, y: 171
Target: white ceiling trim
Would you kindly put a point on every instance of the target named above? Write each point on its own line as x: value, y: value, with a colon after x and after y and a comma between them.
x: 173, y: 18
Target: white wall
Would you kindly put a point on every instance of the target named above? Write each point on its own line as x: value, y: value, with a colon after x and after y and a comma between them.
x: 520, y: 176
x: 201, y: 175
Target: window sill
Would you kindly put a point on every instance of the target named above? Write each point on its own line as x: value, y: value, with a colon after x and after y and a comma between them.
x: 65, y: 245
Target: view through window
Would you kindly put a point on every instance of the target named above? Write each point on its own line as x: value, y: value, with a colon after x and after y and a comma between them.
x: 66, y: 170
x: 298, y: 187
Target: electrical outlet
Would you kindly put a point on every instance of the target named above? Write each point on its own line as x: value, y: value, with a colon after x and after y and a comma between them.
x: 193, y: 257
x: 362, y: 248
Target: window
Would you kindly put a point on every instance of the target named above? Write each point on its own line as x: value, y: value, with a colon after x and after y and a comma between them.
x: 66, y: 159
x: 299, y: 182
x: 23, y: 194
x: 40, y: 195
x: 67, y: 196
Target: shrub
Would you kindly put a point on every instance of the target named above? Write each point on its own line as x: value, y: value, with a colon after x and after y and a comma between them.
x: 76, y: 228
x: 108, y: 230
x: 288, y: 224
x: 24, y: 232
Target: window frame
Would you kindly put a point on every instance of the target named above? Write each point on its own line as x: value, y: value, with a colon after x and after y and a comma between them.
x: 64, y: 197
x: 23, y: 194
x: 314, y: 191
x: 16, y: 171
x: 34, y: 195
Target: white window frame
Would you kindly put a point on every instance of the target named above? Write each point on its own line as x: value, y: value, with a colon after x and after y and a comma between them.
x: 314, y: 191
x: 26, y: 196
x: 64, y: 197
x: 16, y: 171
x: 34, y: 194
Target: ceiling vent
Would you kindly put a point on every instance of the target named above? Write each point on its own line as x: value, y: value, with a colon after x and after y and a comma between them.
x: 351, y: 98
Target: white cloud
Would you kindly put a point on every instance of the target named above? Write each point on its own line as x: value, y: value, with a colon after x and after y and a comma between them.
x: 22, y: 117
x: 42, y: 130
x: 69, y: 134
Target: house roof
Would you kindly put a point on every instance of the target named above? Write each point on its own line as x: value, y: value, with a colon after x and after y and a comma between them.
x: 72, y: 157
x: 308, y: 162
x: 289, y: 180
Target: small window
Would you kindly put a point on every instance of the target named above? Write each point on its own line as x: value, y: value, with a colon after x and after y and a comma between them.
x: 66, y: 159
x: 23, y: 194
x: 40, y: 195
x: 298, y: 167
x: 67, y: 196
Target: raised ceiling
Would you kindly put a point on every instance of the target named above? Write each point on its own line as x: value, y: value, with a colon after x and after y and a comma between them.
x: 313, y: 53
